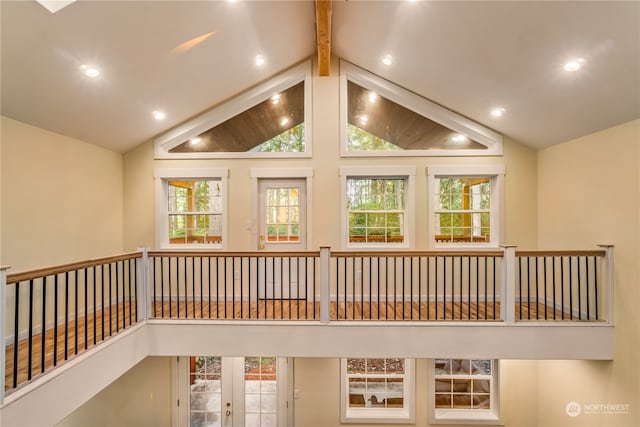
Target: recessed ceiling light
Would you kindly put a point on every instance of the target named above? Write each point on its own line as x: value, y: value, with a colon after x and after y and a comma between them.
x: 498, y: 112
x: 275, y: 99
x: 574, y: 64
x: 459, y: 138
x: 284, y: 121
x: 195, y: 141
x: 387, y: 60
x: 372, y: 96
x: 159, y: 115
x: 89, y: 70
x: 260, y: 60
x: 364, y: 119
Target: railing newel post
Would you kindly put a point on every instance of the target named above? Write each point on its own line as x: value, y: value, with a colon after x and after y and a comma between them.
x: 3, y: 330
x: 609, y: 281
x: 143, y: 305
x: 325, y: 272
x: 507, y: 292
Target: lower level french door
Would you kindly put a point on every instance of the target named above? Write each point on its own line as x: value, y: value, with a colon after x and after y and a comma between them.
x: 214, y: 391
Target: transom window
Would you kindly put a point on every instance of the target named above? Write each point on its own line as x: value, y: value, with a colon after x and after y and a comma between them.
x: 377, y: 390
x: 277, y: 126
x: 379, y: 118
x: 375, y: 123
x: 464, y: 390
x: 271, y: 120
x: 378, y: 205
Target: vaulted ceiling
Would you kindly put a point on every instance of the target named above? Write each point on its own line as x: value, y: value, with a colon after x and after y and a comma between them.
x: 184, y: 57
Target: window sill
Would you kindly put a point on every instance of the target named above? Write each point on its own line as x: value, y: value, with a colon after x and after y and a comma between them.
x: 464, y: 416
x: 191, y: 247
x: 466, y: 246
x: 378, y: 416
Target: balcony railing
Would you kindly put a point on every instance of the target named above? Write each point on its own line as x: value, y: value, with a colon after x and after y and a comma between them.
x: 54, y: 314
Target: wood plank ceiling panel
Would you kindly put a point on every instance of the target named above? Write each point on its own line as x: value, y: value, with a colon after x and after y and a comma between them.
x: 252, y: 127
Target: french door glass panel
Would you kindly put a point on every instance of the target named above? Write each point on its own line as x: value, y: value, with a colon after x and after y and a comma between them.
x: 236, y: 391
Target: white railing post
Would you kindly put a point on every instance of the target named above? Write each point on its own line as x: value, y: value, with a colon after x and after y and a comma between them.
x: 507, y: 292
x: 143, y: 305
x: 3, y: 326
x: 609, y: 281
x: 325, y: 272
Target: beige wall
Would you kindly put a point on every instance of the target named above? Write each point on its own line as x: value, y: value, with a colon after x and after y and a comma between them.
x: 589, y: 193
x: 520, y: 183
x: 141, y: 397
x: 318, y: 381
x: 61, y: 198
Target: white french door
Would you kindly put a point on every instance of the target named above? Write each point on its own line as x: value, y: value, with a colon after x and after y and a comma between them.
x: 233, y: 391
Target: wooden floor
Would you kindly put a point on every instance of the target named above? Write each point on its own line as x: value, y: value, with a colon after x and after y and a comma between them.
x: 123, y: 317
x: 304, y: 310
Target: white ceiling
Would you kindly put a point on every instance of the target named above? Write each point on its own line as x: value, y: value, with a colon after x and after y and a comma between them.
x: 466, y: 56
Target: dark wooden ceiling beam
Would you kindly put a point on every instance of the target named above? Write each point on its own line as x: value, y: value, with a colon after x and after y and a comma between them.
x: 323, y: 35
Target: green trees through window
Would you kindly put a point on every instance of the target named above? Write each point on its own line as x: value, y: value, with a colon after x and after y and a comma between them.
x: 462, y: 209
x: 360, y: 140
x: 376, y: 210
x: 195, y: 211
x: 289, y: 141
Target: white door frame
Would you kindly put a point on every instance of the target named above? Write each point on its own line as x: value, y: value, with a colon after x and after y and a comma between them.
x: 282, y: 173
x: 232, y: 391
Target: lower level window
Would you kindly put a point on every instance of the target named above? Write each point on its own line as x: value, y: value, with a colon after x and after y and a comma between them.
x: 377, y: 390
x: 464, y: 390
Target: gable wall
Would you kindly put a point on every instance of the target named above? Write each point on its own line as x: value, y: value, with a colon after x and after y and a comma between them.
x: 139, y: 224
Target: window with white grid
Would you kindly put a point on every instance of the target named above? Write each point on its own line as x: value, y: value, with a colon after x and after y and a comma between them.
x: 465, y: 205
x: 191, y: 208
x: 378, y: 205
x: 195, y: 211
x: 464, y: 390
x: 377, y: 390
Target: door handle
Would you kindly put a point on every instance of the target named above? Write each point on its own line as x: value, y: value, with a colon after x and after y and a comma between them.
x: 228, y: 411
x: 261, y: 246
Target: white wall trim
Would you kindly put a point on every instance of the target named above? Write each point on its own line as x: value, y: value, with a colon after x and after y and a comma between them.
x: 492, y: 140
x: 238, y: 104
